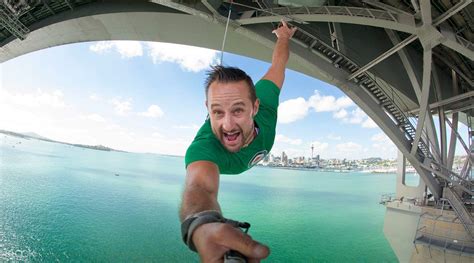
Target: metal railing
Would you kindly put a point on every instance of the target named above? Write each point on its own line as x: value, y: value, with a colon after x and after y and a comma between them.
x: 444, y: 238
x: 332, y: 10
x: 461, y: 211
x: 11, y: 23
x: 387, y: 197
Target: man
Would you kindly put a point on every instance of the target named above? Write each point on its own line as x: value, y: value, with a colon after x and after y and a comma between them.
x: 239, y: 132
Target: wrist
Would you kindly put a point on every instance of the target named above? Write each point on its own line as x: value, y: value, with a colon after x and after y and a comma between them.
x: 192, y: 222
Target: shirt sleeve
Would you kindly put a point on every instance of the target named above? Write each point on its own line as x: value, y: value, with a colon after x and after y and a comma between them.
x: 268, y: 93
x: 201, y: 150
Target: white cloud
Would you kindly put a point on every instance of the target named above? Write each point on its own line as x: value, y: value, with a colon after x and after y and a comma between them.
x: 328, y: 103
x: 122, y: 107
x: 157, y: 135
x: 283, y: 139
x: 369, y: 123
x: 189, y: 58
x: 334, y: 137
x: 45, y: 111
x: 94, y: 117
x: 94, y: 97
x: 295, y: 109
x: 357, y: 116
x: 383, y: 146
x: 154, y: 111
x: 126, y: 49
x: 102, y: 47
x: 39, y: 98
x: 319, y: 147
x: 380, y: 138
x: 292, y: 110
x: 191, y: 127
x: 340, y: 114
x: 349, y: 147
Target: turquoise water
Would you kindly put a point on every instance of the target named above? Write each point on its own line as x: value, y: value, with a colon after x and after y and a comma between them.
x: 63, y: 203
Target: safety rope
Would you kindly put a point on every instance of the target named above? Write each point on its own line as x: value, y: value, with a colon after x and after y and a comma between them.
x: 225, y: 32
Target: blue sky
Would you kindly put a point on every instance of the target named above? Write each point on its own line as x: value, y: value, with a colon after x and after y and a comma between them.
x: 148, y: 97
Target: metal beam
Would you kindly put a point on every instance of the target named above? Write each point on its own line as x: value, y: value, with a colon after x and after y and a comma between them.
x: 452, y: 142
x: 454, y: 67
x: 385, y: 55
x: 425, y: 8
x: 337, y: 14
x: 447, y: 101
x: 48, y: 7
x: 407, y: 63
x: 468, y: 152
x: 448, y: 178
x: 415, y: 5
x: 442, y: 132
x: 69, y: 4
x: 465, y: 48
x: 453, y: 10
x: 441, y: 114
x: 425, y: 92
x: 375, y: 111
x: 212, y: 6
x: 465, y: 169
x: 386, y: 7
x: 470, y: 105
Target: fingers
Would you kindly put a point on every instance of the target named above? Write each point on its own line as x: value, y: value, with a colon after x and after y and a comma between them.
x: 243, y: 243
x: 293, y: 30
x: 284, y: 30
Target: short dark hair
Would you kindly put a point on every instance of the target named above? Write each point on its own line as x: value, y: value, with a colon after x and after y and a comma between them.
x: 229, y: 74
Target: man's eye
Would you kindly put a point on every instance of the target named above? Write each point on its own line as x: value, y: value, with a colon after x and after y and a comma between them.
x: 217, y: 112
x: 238, y: 111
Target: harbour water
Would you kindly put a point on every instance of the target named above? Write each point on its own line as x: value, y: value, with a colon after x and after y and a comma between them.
x: 65, y: 203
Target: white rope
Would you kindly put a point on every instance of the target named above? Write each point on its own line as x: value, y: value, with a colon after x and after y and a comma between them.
x: 225, y: 34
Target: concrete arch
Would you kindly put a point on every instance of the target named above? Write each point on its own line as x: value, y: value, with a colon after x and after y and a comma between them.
x: 144, y: 22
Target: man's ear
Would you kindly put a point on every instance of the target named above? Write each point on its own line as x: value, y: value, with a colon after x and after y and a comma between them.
x: 256, y: 106
x: 206, y: 104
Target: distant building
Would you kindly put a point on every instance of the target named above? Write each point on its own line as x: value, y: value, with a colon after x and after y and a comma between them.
x: 284, y: 158
x: 267, y: 158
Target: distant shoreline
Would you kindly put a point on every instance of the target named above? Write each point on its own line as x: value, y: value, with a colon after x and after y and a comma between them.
x: 376, y: 171
x: 92, y: 147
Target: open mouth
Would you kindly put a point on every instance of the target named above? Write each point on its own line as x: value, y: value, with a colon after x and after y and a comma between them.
x: 231, y: 137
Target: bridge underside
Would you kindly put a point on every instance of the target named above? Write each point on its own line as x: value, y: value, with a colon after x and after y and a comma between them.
x: 400, y: 61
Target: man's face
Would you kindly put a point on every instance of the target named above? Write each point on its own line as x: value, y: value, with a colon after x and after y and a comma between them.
x: 231, y: 112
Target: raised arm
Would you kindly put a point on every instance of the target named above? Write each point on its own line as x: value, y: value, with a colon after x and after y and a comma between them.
x: 281, y: 53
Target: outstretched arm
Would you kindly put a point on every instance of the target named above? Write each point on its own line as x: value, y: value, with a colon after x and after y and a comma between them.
x: 201, y: 187
x: 213, y: 240
x: 281, y: 53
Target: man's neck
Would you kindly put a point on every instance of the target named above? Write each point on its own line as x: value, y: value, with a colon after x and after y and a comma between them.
x: 252, y: 137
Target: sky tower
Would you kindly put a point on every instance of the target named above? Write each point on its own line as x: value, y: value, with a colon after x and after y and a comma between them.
x: 312, y: 151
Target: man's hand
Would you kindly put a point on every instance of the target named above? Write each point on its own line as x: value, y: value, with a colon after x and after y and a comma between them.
x: 283, y: 31
x: 213, y: 240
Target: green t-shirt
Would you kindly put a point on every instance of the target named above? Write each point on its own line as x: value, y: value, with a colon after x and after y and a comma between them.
x: 206, y: 147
